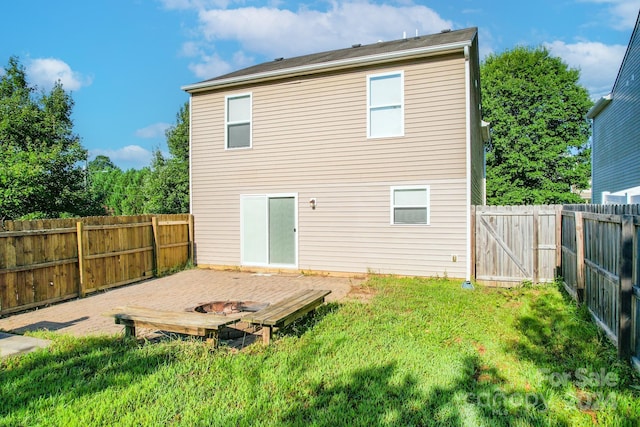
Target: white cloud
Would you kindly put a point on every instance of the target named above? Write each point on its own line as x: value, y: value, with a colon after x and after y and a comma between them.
x: 598, y: 63
x: 131, y: 156
x: 45, y: 72
x: 623, y: 13
x: 280, y: 32
x: 155, y: 130
x: 177, y: 4
x: 240, y: 59
x: 276, y: 32
x: 210, y: 66
x: 626, y: 12
x: 193, y: 4
x: 486, y: 42
x: 190, y: 49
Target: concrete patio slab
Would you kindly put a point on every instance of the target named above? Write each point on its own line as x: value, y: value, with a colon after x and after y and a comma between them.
x: 178, y: 292
x: 18, y: 344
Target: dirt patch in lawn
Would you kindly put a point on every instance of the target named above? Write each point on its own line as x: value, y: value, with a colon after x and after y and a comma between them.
x: 361, y: 293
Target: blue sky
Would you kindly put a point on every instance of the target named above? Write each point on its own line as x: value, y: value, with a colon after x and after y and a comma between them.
x: 124, y: 61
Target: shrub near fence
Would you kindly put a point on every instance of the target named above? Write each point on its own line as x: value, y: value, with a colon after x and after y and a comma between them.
x: 47, y: 261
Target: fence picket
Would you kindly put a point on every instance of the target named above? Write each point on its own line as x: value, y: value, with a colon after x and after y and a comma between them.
x: 610, y: 269
x: 42, y: 262
x: 81, y: 259
x: 515, y: 243
x: 579, y: 236
x: 625, y: 291
x: 596, y: 254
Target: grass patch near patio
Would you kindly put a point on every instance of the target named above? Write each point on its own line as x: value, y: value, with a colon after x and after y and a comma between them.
x: 422, y: 352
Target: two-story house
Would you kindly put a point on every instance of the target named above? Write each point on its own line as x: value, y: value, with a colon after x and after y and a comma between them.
x: 363, y: 159
x: 615, y: 146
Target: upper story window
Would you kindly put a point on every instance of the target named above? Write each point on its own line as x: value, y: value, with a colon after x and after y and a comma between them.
x: 385, y: 105
x: 410, y: 205
x: 238, y: 121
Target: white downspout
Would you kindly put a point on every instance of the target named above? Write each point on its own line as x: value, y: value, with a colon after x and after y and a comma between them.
x: 467, y: 80
x: 190, y: 159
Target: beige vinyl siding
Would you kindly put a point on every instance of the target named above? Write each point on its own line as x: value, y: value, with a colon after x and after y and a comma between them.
x: 310, y: 138
x: 350, y: 231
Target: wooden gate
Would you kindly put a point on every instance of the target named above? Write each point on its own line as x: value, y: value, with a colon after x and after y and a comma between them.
x: 515, y: 244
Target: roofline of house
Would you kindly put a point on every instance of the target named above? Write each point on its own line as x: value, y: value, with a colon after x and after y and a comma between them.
x: 599, y: 106
x: 636, y: 28
x: 330, y: 66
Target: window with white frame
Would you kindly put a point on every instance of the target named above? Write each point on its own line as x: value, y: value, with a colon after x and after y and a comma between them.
x: 385, y: 105
x: 410, y: 205
x: 238, y: 121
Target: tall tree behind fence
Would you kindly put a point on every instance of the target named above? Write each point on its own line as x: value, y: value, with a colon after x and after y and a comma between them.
x: 46, y: 261
x: 600, y: 268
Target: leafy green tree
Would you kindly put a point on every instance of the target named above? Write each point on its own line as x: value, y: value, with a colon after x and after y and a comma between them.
x: 539, y: 149
x: 167, y: 186
x: 102, y: 174
x: 132, y: 190
x: 163, y: 188
x: 178, y: 135
x: 101, y: 164
x: 117, y: 192
x: 40, y: 156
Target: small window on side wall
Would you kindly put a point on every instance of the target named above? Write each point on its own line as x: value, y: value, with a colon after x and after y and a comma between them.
x: 238, y: 121
x: 410, y: 205
x: 385, y: 105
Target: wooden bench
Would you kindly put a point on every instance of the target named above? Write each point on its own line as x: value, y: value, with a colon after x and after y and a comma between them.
x: 204, y: 325
x: 284, y: 312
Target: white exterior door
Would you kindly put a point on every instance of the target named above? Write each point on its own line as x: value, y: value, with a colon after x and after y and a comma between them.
x: 269, y: 230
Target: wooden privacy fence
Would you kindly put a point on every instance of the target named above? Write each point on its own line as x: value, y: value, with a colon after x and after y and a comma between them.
x: 513, y: 244
x: 47, y: 261
x: 600, y: 268
x: 594, y: 248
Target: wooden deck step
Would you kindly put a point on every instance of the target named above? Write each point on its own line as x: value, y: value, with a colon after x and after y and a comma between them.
x: 205, y: 325
x: 284, y: 312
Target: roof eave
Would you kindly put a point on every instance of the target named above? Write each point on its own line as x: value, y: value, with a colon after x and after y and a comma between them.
x: 329, y: 66
x: 599, y: 106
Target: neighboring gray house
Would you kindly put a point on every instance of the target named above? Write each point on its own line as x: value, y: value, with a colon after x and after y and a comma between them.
x: 616, y: 133
x: 364, y: 159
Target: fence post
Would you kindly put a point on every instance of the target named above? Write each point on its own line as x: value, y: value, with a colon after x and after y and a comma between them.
x: 536, y: 245
x: 558, y: 227
x: 579, y: 257
x: 626, y: 287
x: 81, y: 264
x: 192, y: 257
x: 156, y: 246
x: 473, y: 242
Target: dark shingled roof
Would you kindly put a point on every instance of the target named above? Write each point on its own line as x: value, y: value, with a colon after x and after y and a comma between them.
x: 443, y: 38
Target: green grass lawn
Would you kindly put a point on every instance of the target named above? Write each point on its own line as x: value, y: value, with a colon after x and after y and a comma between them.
x: 422, y: 352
